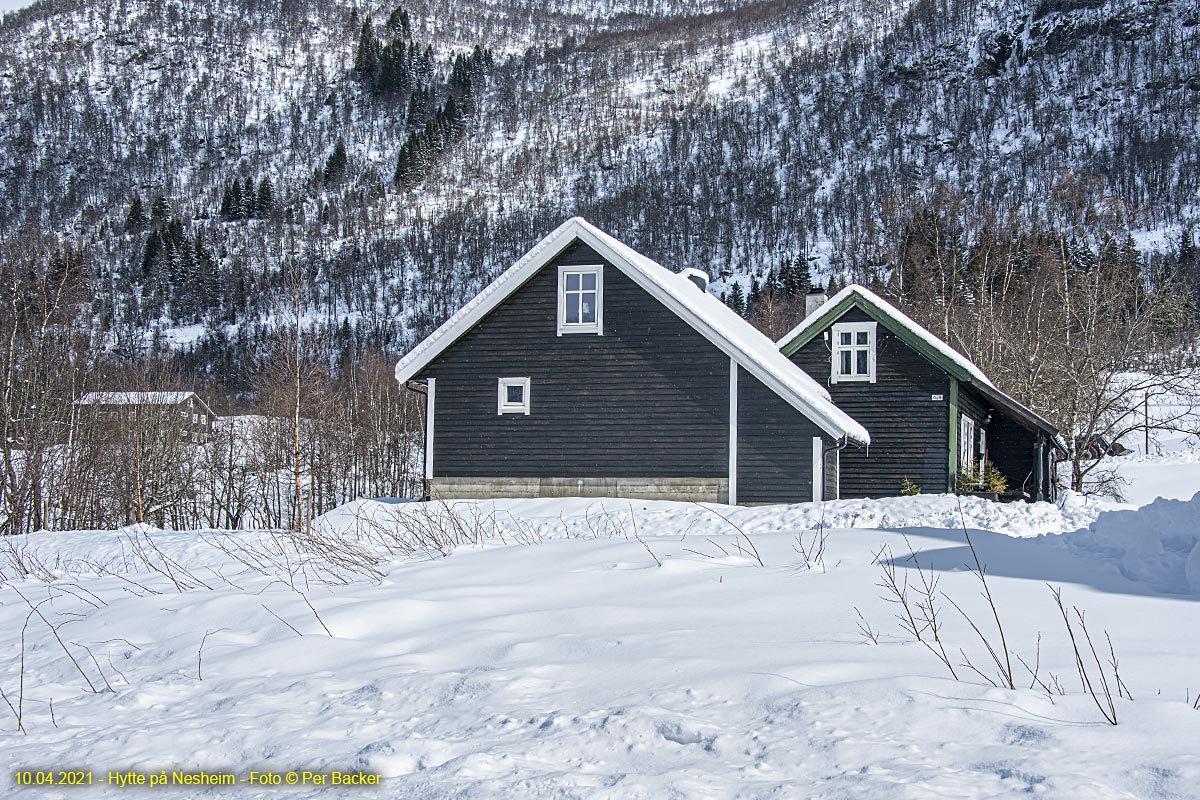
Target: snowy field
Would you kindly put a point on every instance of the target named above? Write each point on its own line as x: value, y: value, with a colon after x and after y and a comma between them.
x: 612, y: 650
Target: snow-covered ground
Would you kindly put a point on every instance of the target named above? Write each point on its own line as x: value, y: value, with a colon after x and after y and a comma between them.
x: 1171, y: 470
x: 606, y: 649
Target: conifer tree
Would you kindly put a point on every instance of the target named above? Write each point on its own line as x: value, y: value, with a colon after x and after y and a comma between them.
x: 136, y: 219
x: 264, y: 203
x: 335, y: 165
x: 235, y: 200
x: 228, y: 203
x: 160, y: 212
x: 737, y: 299
x: 366, y: 59
x: 400, y: 22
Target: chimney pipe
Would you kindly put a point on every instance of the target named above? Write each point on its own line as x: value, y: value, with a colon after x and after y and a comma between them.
x: 696, y: 276
x: 813, y: 301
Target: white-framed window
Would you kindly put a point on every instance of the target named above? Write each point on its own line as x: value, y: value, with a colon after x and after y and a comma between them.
x: 853, y: 352
x: 580, y: 299
x: 966, y: 445
x: 512, y: 396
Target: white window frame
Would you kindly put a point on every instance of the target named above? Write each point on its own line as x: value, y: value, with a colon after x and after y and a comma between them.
x: 596, y: 327
x: 835, y: 362
x: 967, y: 448
x: 983, y: 453
x: 502, y: 404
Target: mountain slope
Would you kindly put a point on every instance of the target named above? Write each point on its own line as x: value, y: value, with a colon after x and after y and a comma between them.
x: 723, y: 135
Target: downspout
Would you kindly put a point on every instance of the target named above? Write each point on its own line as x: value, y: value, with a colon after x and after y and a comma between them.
x: 421, y: 388
x: 841, y: 445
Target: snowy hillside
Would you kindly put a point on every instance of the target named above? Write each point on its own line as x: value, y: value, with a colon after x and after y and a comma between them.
x: 618, y: 651
x: 763, y: 131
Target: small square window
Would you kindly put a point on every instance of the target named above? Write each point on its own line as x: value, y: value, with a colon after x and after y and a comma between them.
x: 512, y: 396
x: 853, y: 353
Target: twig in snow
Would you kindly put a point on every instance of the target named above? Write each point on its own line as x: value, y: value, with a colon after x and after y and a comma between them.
x: 200, y: 651
x: 58, y: 638
x: 1006, y: 669
x: 315, y: 614
x: 1107, y: 709
x: 637, y: 536
x: 741, y: 534
x: 281, y: 619
x: 865, y: 629
x: 91, y: 655
x: 13, y: 709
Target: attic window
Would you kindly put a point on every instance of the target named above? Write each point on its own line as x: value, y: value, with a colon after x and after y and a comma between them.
x: 580, y: 300
x: 853, y: 352
x: 512, y: 396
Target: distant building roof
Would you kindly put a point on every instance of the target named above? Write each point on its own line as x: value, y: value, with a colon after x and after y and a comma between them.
x: 138, y: 399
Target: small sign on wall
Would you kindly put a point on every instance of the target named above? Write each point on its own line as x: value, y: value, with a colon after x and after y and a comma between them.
x: 935, y: 397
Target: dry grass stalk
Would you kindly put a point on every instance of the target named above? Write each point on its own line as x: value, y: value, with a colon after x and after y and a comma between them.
x: 1107, y: 706
x: 919, y: 614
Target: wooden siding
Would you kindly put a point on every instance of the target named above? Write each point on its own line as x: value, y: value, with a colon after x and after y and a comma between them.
x: 1013, y: 449
x: 775, y: 451
x: 909, y: 430
x: 649, y: 397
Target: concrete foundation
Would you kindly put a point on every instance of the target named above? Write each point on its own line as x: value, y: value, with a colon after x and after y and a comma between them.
x: 700, y: 490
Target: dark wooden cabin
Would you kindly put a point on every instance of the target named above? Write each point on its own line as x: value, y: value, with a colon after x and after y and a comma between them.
x: 587, y: 369
x: 931, y: 412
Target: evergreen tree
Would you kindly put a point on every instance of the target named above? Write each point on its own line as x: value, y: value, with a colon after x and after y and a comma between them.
x: 151, y: 252
x: 264, y: 203
x: 136, y: 219
x: 737, y: 299
x: 453, y: 118
x: 1187, y: 250
x: 400, y: 22
x: 160, y: 212
x: 366, y: 59
x: 229, y: 202
x: 394, y: 71
x: 335, y: 165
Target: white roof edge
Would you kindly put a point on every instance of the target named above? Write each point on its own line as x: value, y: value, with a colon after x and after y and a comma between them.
x: 151, y: 397
x: 821, y: 315
x: 705, y: 313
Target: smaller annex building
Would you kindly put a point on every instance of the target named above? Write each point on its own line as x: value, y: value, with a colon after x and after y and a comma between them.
x: 932, y: 413
x: 587, y: 369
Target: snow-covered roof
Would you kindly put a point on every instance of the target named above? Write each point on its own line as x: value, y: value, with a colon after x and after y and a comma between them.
x: 707, y: 314
x: 829, y: 309
x: 134, y: 398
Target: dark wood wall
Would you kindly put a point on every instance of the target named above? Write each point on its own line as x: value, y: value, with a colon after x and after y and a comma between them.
x: 775, y: 447
x: 909, y: 430
x: 1013, y: 449
x: 648, y: 398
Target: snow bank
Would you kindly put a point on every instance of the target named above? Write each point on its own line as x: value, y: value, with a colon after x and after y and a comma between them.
x: 565, y: 518
x: 1157, y: 545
